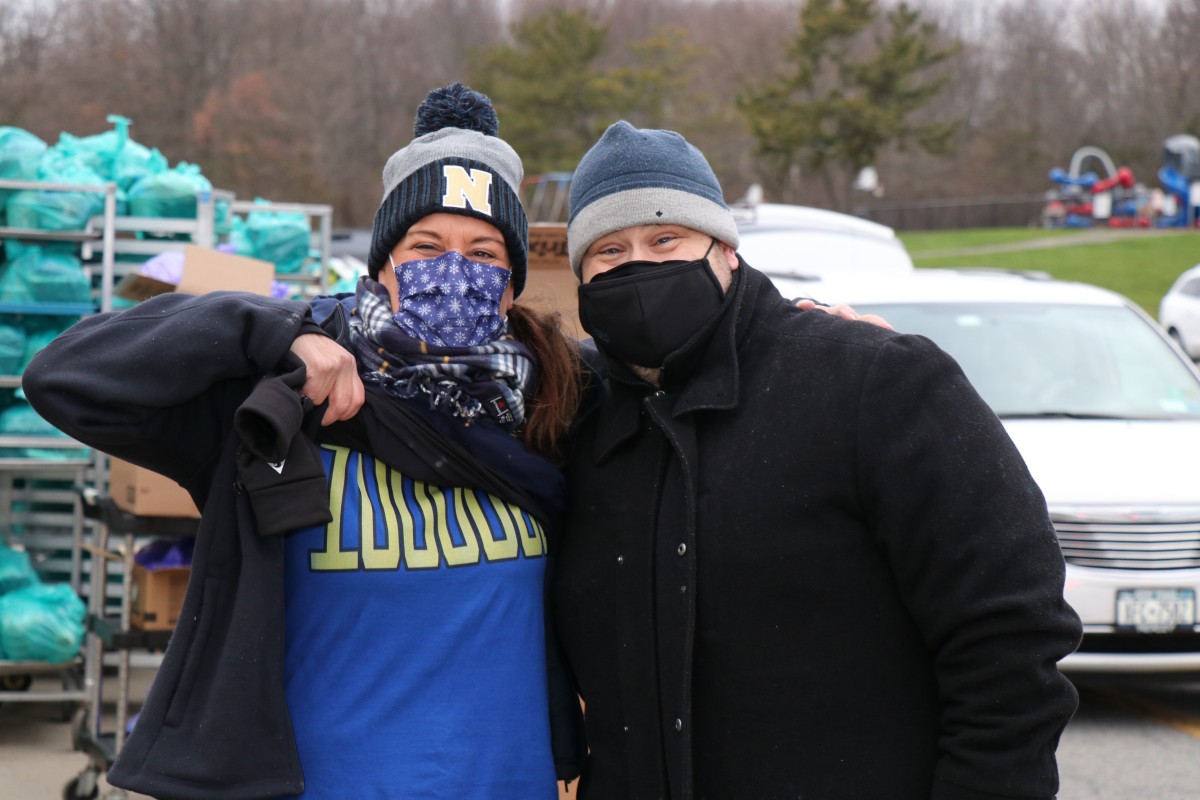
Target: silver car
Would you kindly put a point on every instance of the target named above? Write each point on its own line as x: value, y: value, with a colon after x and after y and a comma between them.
x: 1106, y: 414
x: 808, y: 244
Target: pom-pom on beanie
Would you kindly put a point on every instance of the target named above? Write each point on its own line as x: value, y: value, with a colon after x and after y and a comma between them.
x: 638, y: 176
x: 455, y: 165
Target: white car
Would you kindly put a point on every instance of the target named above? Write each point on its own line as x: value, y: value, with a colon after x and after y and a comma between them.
x: 1179, y: 311
x: 808, y: 244
x: 1106, y: 414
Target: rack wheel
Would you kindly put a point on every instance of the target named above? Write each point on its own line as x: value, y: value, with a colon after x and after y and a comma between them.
x: 86, y: 786
x: 15, y: 683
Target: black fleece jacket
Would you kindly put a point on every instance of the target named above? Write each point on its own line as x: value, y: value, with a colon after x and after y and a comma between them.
x: 160, y: 385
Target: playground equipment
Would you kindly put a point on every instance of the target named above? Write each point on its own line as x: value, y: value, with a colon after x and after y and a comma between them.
x: 1083, y: 199
x: 1180, y: 178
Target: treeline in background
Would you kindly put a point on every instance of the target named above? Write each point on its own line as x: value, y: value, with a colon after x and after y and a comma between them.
x: 304, y: 100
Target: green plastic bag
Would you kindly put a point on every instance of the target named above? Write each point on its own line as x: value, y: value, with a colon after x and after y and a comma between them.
x: 37, y: 276
x: 16, y: 571
x: 56, y: 210
x: 283, y: 238
x: 37, y: 337
x: 20, y: 152
x: 173, y: 193
x: 127, y: 161
x: 43, y: 622
x: 21, y: 420
x: 12, y: 349
x: 113, y: 155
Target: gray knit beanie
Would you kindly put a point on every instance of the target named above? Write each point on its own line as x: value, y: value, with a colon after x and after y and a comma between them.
x: 455, y: 165
x: 638, y: 176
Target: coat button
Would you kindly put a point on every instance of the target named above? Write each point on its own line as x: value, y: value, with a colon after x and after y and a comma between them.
x: 683, y: 590
x: 681, y: 549
x: 678, y: 725
x: 620, y: 559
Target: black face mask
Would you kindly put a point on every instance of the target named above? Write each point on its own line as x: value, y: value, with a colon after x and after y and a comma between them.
x: 642, y: 311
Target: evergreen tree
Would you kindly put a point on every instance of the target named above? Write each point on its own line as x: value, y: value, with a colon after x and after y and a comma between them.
x: 553, y: 95
x: 845, y: 97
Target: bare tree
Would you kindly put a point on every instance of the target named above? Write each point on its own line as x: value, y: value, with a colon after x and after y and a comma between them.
x: 305, y: 99
x: 28, y: 44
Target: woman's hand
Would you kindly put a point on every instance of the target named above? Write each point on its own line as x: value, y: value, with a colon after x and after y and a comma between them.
x: 332, y: 376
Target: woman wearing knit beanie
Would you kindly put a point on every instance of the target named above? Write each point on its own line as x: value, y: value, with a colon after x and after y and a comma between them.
x: 365, y: 613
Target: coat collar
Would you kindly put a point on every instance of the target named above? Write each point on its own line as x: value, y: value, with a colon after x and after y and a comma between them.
x: 712, y: 386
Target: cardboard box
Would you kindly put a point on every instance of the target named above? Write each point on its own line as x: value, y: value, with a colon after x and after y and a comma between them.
x: 157, y: 597
x: 204, y: 270
x: 548, y: 246
x: 549, y: 284
x: 147, y: 494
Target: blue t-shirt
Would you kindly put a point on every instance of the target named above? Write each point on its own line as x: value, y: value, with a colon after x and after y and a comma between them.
x: 415, y: 661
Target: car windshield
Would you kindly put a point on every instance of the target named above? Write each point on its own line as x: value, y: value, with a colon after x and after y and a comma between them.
x: 1031, y: 360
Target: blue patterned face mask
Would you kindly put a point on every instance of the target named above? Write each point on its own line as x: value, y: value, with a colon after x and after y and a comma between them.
x: 450, y: 301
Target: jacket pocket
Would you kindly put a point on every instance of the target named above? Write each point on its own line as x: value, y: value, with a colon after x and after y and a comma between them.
x: 197, y: 652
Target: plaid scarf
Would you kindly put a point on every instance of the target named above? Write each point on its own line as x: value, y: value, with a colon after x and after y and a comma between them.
x: 465, y: 382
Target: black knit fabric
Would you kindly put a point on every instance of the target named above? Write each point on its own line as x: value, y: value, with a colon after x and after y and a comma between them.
x: 420, y: 194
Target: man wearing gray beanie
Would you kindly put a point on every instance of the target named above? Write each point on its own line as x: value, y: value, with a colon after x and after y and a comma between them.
x: 830, y: 574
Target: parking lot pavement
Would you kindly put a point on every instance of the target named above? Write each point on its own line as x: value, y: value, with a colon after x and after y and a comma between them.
x: 37, y: 754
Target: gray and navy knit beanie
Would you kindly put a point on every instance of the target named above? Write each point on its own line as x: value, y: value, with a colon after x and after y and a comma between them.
x: 455, y: 165
x: 637, y: 176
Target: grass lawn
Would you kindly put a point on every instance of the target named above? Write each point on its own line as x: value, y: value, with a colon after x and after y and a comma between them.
x: 932, y: 241
x: 1142, y: 265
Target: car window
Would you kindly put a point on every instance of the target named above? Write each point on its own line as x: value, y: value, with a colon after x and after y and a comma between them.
x: 1033, y: 359
x: 1191, y: 288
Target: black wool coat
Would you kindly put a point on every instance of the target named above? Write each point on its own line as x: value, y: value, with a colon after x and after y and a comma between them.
x: 816, y: 569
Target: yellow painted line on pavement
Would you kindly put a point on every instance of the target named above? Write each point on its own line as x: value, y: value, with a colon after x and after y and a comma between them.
x: 1152, y: 709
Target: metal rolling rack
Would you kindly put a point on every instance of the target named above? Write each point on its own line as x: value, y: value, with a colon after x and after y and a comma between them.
x: 114, y: 632
x: 47, y: 520
x: 88, y: 522
x: 116, y: 534
x: 312, y: 279
x: 149, y: 236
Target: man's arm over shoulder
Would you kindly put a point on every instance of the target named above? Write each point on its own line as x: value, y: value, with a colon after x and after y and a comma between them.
x: 969, y: 541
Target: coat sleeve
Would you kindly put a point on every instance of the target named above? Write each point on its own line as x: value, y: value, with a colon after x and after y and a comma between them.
x: 968, y: 538
x: 157, y: 384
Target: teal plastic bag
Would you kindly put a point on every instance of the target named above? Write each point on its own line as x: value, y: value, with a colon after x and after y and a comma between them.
x: 37, y: 276
x: 43, y: 622
x: 20, y: 152
x: 21, y: 420
x: 113, y: 155
x: 283, y: 238
x: 97, y: 153
x: 172, y: 193
x: 126, y: 161
x: 137, y: 162
x: 57, y: 210
x: 38, y: 337
x: 12, y: 349
x: 16, y: 571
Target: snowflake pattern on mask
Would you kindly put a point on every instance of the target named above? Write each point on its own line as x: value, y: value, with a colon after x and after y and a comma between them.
x: 451, y: 301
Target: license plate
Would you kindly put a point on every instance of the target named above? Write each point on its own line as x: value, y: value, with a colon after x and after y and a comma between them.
x: 1156, y: 610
